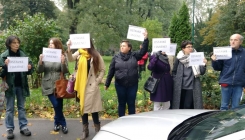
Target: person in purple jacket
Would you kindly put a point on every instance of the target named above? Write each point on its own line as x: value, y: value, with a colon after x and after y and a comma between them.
x: 160, y: 68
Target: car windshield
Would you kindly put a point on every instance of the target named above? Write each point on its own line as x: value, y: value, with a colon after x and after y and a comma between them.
x: 218, y: 125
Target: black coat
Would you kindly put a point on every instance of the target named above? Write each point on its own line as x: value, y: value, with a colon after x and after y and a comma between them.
x: 124, y: 67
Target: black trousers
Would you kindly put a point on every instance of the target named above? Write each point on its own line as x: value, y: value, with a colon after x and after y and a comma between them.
x: 95, y: 117
x: 186, y: 99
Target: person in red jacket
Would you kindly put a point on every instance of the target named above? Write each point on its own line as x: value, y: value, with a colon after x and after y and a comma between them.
x: 142, y: 63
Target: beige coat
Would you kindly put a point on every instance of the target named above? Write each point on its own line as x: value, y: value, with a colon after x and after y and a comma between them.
x: 92, y: 100
x: 171, y: 62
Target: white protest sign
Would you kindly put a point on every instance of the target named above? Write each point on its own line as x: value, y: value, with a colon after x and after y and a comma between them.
x: 172, y: 50
x: 196, y: 58
x: 80, y: 41
x: 222, y: 53
x: 18, y: 64
x: 161, y: 44
x: 52, y: 55
x: 135, y: 33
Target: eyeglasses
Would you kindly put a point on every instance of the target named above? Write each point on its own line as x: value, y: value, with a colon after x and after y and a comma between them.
x: 189, y: 47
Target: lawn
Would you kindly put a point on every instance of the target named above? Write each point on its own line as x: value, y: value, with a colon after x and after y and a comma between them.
x: 39, y: 106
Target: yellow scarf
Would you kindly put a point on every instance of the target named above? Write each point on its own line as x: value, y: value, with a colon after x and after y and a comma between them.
x: 82, y: 73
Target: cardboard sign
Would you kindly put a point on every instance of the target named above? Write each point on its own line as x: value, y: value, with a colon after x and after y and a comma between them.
x: 18, y: 64
x: 161, y: 44
x: 196, y: 58
x: 135, y: 33
x: 80, y: 41
x: 52, y: 55
x: 172, y: 50
x: 222, y: 53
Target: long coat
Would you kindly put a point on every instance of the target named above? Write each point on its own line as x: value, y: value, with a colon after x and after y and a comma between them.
x: 197, y: 86
x: 92, y: 100
x: 164, y: 91
x: 52, y: 72
x: 10, y: 76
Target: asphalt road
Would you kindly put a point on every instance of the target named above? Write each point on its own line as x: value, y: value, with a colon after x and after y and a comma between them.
x: 42, y: 129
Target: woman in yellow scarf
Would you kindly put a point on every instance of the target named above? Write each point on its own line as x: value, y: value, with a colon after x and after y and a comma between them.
x: 90, y: 72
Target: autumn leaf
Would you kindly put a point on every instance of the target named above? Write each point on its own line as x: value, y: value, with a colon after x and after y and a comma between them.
x: 54, y: 132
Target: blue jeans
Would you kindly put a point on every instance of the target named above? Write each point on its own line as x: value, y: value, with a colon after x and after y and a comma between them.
x: 57, y: 103
x: 126, y: 95
x: 9, y: 119
x: 232, y: 93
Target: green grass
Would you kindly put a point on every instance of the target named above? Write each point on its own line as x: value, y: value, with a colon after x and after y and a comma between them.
x: 39, y: 106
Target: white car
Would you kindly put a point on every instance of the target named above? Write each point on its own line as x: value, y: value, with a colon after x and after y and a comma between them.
x: 177, y: 125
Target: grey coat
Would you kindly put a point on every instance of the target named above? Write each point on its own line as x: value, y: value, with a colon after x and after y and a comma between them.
x: 197, y: 86
x: 52, y: 71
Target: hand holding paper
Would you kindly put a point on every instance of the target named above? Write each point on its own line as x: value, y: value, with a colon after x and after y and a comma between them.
x: 29, y: 66
x: 68, y: 43
x: 6, y: 62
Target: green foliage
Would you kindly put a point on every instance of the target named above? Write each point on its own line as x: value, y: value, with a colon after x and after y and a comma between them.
x: 211, y: 89
x: 154, y: 29
x: 107, y: 22
x: 180, y: 28
x: 231, y: 21
x: 13, y: 10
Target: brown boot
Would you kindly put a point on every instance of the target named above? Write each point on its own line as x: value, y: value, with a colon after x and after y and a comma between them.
x: 85, y: 131
x: 97, y: 127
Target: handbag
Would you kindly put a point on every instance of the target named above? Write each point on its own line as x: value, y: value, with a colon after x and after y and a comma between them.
x: 60, y: 88
x: 151, y: 84
x: 71, y: 84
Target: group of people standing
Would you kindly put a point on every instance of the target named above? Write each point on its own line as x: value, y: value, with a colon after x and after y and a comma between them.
x: 179, y: 86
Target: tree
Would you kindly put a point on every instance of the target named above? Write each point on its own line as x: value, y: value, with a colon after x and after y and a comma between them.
x: 231, y: 21
x: 209, y: 32
x: 180, y: 28
x: 154, y: 29
x: 13, y: 9
x: 107, y: 22
x: 34, y: 33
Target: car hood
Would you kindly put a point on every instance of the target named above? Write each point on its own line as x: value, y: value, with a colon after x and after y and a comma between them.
x: 149, y: 125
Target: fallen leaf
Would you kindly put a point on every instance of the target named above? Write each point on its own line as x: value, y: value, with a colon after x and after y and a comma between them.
x: 29, y: 124
x: 4, y: 135
x: 54, y: 133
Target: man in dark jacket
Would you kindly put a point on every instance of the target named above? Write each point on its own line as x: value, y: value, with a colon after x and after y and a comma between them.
x: 232, y: 75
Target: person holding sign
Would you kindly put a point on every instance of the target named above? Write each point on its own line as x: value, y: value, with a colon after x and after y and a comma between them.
x: 187, y: 92
x: 52, y: 72
x: 18, y: 87
x: 90, y: 72
x: 232, y: 76
x: 124, y: 67
x: 160, y: 67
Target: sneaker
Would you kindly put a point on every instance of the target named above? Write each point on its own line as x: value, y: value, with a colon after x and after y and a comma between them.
x: 56, y: 128
x: 64, y: 129
x: 10, y: 134
x: 25, y: 132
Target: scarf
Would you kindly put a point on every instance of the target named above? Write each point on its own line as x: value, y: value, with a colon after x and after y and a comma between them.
x: 125, y: 57
x: 81, y: 76
x: 184, y: 59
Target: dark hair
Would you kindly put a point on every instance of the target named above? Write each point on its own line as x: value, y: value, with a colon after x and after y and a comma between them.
x: 57, y: 43
x: 10, y: 39
x: 185, y: 43
x: 95, y: 54
x: 129, y: 44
